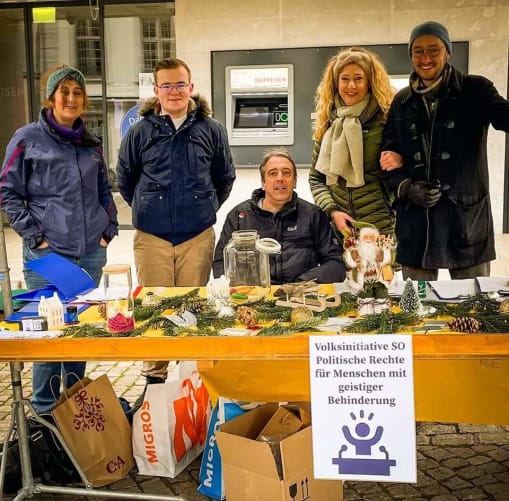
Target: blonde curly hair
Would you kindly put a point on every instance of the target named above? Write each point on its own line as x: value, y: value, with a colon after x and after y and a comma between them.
x: 379, y: 84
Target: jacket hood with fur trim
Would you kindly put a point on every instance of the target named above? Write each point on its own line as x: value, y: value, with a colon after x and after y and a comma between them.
x: 197, y: 102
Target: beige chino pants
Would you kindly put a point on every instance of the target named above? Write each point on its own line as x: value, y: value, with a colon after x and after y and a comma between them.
x: 160, y: 263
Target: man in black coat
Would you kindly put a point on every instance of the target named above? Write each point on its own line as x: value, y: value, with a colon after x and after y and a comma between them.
x: 434, y: 159
x: 309, y: 249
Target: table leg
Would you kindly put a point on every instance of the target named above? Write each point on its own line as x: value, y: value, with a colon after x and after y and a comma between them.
x: 29, y: 488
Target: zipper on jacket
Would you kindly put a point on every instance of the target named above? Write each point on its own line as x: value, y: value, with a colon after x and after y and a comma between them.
x: 353, y: 212
x: 83, y: 213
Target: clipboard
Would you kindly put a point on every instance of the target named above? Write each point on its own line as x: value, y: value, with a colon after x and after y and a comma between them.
x: 65, y: 278
x: 454, y: 290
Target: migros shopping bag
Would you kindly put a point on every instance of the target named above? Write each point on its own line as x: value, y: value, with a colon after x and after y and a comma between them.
x: 170, y: 427
x: 93, y: 424
x: 211, y: 470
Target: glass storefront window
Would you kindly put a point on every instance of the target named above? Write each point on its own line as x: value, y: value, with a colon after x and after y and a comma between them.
x: 88, y: 46
x: 14, y: 101
x: 158, y: 39
x: 136, y: 37
x: 73, y: 39
x: 129, y: 37
x: 14, y: 91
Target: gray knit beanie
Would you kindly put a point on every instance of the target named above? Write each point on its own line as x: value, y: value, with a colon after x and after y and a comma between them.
x: 58, y: 75
x: 430, y: 28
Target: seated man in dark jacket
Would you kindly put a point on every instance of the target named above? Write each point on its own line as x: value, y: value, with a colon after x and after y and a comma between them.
x: 309, y: 249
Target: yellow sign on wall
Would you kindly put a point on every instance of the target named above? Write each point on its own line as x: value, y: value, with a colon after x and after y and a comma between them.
x: 44, y: 14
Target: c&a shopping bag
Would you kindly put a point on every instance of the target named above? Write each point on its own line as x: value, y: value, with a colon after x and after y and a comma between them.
x: 93, y: 424
x: 170, y: 427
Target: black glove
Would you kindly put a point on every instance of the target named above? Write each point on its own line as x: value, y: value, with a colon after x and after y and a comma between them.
x: 421, y: 193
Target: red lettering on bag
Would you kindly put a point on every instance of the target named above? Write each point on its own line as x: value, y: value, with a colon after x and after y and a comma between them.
x: 115, y: 464
x: 148, y: 438
x: 145, y: 406
x: 190, y: 418
x: 147, y: 428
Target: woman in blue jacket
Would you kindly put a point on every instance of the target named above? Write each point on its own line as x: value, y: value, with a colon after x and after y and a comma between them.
x: 56, y: 195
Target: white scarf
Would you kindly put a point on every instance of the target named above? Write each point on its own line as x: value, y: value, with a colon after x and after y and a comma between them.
x: 341, y: 151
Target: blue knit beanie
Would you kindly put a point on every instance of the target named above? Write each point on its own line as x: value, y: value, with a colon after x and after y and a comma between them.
x: 430, y: 28
x: 58, y: 75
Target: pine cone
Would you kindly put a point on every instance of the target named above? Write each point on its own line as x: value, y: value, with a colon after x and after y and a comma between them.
x: 300, y: 314
x: 197, y: 307
x: 246, y: 315
x: 468, y: 325
x: 101, y: 307
x: 504, y: 306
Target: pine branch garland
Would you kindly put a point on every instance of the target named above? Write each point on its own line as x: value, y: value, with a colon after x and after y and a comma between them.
x: 486, y: 311
x: 385, y: 322
x: 167, y: 303
x: 348, y: 303
x: 215, y: 322
x: 267, y: 310
x: 479, y: 303
x: 89, y: 330
x: 288, y: 329
x: 196, y: 331
x: 494, y: 323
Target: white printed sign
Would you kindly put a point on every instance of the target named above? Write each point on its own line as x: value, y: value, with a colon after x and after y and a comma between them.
x: 362, y: 403
x: 146, y: 85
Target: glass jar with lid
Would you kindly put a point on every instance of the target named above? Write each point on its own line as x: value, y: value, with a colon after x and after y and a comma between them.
x: 247, y: 265
x: 119, y: 298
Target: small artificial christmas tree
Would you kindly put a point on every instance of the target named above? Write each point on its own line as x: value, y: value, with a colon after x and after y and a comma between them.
x: 410, y: 301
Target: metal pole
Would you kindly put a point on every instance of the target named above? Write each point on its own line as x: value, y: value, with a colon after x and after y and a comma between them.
x: 4, y: 273
x: 29, y: 488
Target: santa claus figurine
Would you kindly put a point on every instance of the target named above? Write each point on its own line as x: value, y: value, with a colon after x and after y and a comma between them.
x: 369, y: 257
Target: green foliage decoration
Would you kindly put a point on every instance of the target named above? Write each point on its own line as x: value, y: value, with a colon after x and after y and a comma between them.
x: 385, y: 322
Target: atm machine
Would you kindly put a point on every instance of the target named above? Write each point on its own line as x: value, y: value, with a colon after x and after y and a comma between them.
x: 259, y: 105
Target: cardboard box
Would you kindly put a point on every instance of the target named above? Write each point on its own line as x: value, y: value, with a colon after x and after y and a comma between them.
x: 283, y: 423
x: 250, y: 470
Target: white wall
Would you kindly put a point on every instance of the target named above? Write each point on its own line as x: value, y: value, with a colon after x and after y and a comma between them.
x: 203, y: 26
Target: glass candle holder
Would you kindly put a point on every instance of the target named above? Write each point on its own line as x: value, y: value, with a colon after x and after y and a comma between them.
x: 118, y: 298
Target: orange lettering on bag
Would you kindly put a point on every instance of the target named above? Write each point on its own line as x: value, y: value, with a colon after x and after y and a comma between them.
x: 148, y: 437
x: 150, y: 451
x: 190, y: 418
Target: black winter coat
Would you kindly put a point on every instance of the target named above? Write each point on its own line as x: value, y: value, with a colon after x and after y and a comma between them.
x: 451, y: 148
x: 308, y: 248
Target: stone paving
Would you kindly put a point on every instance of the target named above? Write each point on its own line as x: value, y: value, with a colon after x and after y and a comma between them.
x: 456, y: 462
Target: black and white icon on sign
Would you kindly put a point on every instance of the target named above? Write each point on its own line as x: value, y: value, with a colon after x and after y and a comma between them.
x: 359, y: 460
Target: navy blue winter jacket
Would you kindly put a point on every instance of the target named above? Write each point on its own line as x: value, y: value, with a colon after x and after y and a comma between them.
x: 175, y: 180
x: 308, y: 247
x: 56, y: 190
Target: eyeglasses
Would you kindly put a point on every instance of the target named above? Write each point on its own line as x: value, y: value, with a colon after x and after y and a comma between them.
x: 168, y: 87
x: 431, y: 52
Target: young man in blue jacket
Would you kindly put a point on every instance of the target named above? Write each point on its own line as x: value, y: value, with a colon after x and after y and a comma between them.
x: 174, y: 170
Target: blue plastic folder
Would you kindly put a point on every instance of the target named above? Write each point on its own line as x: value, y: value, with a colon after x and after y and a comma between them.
x: 65, y: 278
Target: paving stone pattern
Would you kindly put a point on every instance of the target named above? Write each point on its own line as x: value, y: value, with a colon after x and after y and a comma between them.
x: 456, y: 462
